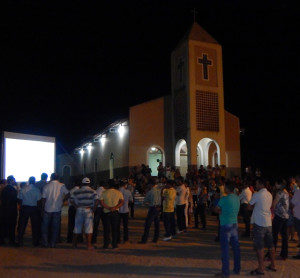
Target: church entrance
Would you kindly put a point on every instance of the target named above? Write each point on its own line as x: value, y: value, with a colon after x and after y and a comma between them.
x: 181, y: 157
x: 208, y: 153
x: 155, y: 155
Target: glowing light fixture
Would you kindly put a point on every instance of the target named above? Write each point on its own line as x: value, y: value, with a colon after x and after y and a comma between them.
x: 102, y: 139
x: 121, y: 130
x: 89, y: 147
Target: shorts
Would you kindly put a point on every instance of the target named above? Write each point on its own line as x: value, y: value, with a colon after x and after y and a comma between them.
x: 262, y: 237
x: 84, y: 217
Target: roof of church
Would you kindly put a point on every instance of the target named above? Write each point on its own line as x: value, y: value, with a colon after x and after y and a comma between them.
x: 197, y: 33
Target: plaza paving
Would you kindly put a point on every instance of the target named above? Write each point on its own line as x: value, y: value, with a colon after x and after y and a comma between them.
x: 192, y: 254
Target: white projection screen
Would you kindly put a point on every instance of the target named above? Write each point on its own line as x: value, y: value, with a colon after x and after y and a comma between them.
x: 27, y: 155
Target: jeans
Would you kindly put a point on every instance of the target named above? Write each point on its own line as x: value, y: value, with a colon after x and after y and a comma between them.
x: 131, y: 207
x: 26, y: 213
x: 124, y: 219
x: 71, y: 222
x: 98, y: 215
x: 200, y: 210
x: 153, y: 215
x: 53, y: 219
x: 180, y: 217
x: 10, y: 216
x: 297, y: 226
x: 229, y: 235
x: 246, y: 217
x: 111, y: 223
x: 279, y: 225
x: 169, y: 223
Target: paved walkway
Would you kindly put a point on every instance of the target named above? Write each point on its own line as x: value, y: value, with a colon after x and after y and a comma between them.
x: 192, y: 254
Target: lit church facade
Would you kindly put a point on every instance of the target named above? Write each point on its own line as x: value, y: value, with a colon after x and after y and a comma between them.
x: 185, y: 129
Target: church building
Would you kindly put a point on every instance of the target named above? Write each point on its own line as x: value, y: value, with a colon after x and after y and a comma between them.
x: 185, y: 129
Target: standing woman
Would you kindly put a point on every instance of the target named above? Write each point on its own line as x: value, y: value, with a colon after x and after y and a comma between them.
x: 280, y: 221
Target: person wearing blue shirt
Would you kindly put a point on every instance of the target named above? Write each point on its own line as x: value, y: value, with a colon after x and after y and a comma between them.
x: 153, y: 200
x: 228, y: 209
x: 29, y: 198
x: 124, y: 211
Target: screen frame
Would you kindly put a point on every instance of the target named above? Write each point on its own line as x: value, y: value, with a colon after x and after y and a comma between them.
x: 23, y: 136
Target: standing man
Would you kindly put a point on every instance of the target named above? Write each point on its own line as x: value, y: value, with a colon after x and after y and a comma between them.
x: 168, y: 196
x: 160, y: 170
x: 85, y: 200
x: 261, y: 203
x: 53, y: 196
x: 200, y: 209
x: 295, y: 206
x: 10, y: 209
x: 98, y: 215
x: 72, y: 214
x: 40, y: 185
x: 245, y: 198
x: 124, y: 211
x: 29, y: 198
x: 181, y: 192
x: 153, y: 200
x: 3, y: 183
x: 131, y: 187
x: 228, y: 209
x: 111, y: 200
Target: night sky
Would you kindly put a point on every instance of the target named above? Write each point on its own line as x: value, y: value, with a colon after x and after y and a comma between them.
x: 68, y: 69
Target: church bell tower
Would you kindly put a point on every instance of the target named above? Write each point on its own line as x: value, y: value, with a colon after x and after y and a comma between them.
x: 198, y: 100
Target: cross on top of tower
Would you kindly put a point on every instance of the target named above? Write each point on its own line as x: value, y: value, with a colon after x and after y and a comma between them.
x: 194, y: 11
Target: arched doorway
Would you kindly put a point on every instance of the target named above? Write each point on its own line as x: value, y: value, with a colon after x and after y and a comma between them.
x: 181, y: 157
x: 155, y: 155
x: 208, y: 152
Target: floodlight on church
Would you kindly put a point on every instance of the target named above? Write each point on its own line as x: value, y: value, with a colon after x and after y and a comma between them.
x: 121, y: 130
x: 89, y: 147
x: 81, y: 151
x: 103, y: 139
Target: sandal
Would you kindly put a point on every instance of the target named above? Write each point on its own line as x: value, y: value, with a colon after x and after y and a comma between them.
x: 256, y: 272
x: 271, y: 268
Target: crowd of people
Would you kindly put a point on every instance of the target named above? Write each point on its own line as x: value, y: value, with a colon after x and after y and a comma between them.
x: 266, y: 208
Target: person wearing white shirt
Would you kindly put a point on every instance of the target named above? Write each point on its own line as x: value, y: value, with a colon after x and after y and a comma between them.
x: 53, y: 196
x: 180, y: 201
x: 98, y: 213
x: 261, y: 201
x: 245, y: 198
x: 124, y: 211
x: 186, y: 209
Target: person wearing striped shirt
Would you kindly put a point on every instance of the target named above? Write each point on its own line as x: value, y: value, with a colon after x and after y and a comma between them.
x: 85, y: 200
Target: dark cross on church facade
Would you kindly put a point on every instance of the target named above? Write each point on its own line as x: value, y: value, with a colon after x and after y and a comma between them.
x: 180, y: 67
x: 205, y: 63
